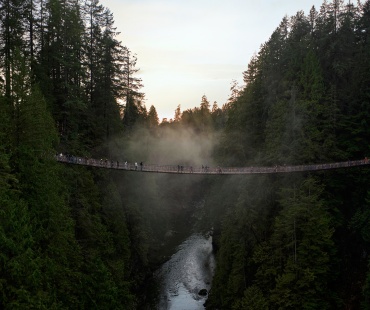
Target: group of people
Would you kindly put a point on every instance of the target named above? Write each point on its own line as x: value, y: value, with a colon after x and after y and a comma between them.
x: 204, y: 169
x: 136, y: 166
x: 94, y: 162
x: 126, y: 166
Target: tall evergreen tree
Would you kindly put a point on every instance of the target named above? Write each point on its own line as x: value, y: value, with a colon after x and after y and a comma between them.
x: 60, y: 69
x: 133, y: 84
x: 106, y: 76
x: 12, y: 19
x: 153, y: 118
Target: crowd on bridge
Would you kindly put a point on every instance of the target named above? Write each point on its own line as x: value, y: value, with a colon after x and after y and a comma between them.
x: 115, y: 164
x: 204, y: 169
x: 106, y: 163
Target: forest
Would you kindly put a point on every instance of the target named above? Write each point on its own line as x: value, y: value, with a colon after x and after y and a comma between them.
x: 74, y: 237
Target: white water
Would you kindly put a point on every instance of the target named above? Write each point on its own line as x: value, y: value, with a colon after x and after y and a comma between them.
x: 188, y: 271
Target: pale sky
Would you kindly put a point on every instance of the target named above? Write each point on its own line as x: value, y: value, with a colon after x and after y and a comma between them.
x: 190, y: 48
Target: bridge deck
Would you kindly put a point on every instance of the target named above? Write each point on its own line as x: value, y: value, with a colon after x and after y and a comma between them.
x: 107, y: 164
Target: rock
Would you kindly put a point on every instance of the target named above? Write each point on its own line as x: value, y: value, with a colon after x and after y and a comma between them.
x: 203, y: 292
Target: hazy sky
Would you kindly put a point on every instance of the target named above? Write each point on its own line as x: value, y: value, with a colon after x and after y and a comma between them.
x: 190, y: 48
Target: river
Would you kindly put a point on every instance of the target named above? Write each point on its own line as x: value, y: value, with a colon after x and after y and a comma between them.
x: 187, y: 272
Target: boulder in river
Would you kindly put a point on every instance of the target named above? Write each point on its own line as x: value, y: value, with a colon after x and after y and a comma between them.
x: 203, y: 292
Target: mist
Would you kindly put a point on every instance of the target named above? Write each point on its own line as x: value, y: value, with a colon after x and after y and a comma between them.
x: 175, y: 145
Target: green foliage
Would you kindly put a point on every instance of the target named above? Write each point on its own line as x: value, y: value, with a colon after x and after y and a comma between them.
x: 253, y: 299
x: 71, y: 237
x: 305, y: 101
x: 366, y: 291
x: 104, y: 241
x: 61, y: 245
x: 360, y: 221
x: 153, y: 119
x: 244, y: 228
x: 303, y: 247
x: 36, y: 132
x: 20, y: 272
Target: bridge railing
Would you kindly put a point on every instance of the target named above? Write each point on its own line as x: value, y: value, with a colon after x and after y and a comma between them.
x: 105, y: 163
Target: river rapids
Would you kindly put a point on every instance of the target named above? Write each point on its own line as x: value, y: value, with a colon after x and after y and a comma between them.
x: 185, y: 274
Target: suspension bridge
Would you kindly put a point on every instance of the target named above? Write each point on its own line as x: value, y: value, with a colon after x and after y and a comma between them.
x: 110, y: 164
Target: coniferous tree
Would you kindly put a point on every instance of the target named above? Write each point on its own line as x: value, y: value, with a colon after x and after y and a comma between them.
x: 60, y: 68
x: 12, y: 33
x: 153, y: 119
x: 177, y: 116
x: 302, y: 103
x: 107, y: 84
x: 304, y: 248
x: 132, y: 94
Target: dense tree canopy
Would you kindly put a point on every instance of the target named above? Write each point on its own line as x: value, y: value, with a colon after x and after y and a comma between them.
x: 304, y: 101
x: 75, y: 237
x: 61, y: 83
